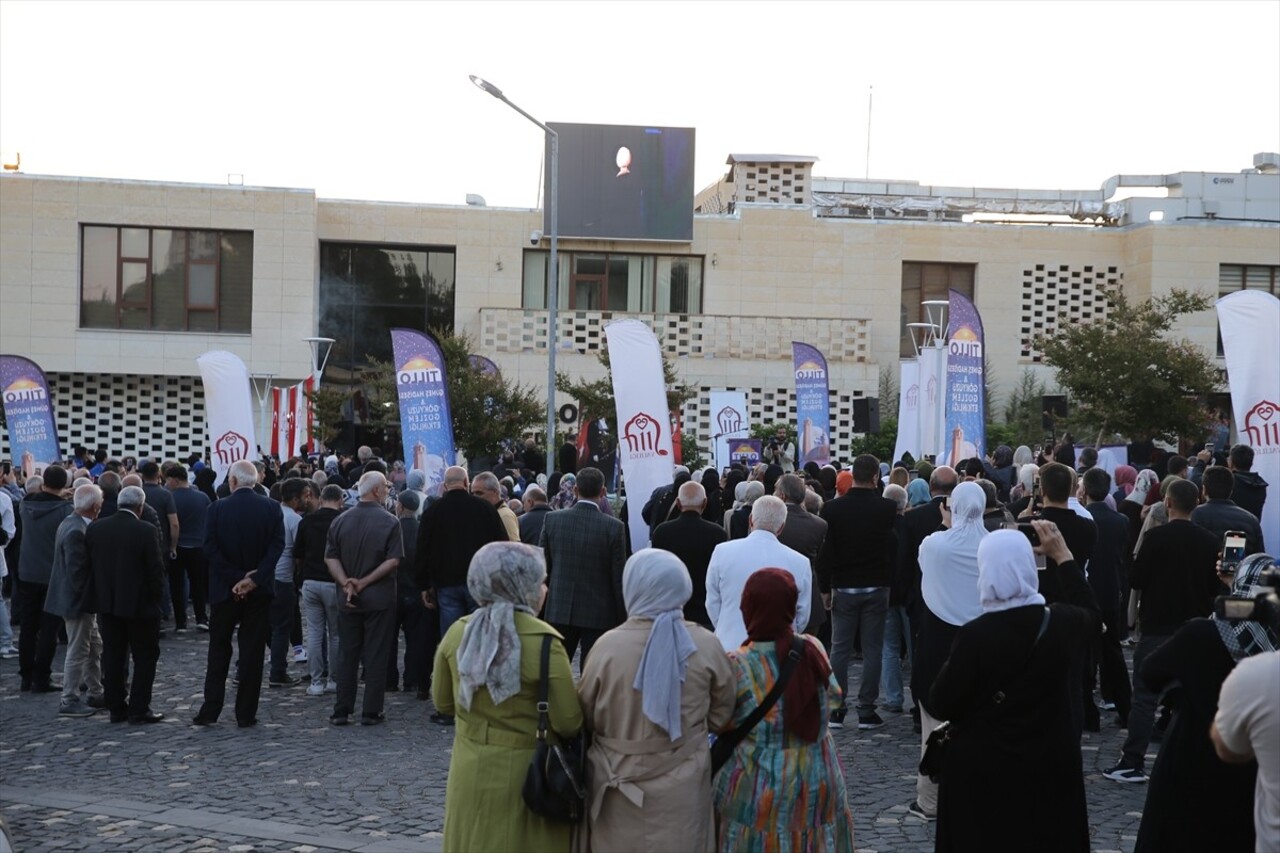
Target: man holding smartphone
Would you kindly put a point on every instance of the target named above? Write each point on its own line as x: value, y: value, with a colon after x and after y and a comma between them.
x: 1219, y: 513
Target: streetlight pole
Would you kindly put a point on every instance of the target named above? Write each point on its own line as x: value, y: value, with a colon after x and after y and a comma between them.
x: 553, y: 275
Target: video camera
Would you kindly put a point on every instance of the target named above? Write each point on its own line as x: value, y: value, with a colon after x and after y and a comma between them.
x: 1263, y: 608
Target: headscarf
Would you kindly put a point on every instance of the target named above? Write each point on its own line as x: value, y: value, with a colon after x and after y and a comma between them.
x: 735, y: 478
x: 1245, y: 639
x: 844, y: 482
x: 1007, y: 572
x: 1142, y: 487
x: 949, y: 559
x: 552, y: 486
x: 1027, y: 477
x: 926, y: 470
x: 1003, y: 456
x: 768, y: 609
x: 503, y: 577
x: 753, y: 492
x: 1126, y: 477
x: 917, y: 492
x: 770, y: 479
x: 565, y: 498
x: 656, y: 585
x: 1022, y: 456
x: 1107, y: 462
x: 711, y: 484
x: 205, y: 478
x: 829, y: 479
x: 740, y: 494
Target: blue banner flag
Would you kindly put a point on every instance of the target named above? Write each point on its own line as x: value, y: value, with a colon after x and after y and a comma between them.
x: 28, y: 412
x: 484, y: 365
x: 813, y: 408
x: 426, y: 423
x: 966, y: 391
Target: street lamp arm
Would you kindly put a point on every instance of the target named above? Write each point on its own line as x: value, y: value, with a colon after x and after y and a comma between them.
x: 486, y: 86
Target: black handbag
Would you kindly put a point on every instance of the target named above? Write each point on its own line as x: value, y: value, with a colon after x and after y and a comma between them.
x: 725, y: 744
x: 939, y: 741
x: 555, y: 786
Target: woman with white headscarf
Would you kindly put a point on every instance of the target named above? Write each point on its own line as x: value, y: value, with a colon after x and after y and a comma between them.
x: 949, y: 589
x: 487, y: 670
x: 652, y: 690
x: 1188, y: 781
x: 1007, y: 690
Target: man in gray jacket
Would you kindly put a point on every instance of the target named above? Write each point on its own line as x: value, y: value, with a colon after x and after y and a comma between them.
x: 41, y: 514
x: 68, y: 582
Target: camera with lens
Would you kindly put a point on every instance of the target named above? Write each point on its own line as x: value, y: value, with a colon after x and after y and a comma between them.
x: 1263, y: 608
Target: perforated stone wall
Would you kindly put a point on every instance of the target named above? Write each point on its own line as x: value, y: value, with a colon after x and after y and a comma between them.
x: 1053, y: 293
x: 767, y: 406
x: 128, y: 415
x: 720, y: 336
x: 772, y: 183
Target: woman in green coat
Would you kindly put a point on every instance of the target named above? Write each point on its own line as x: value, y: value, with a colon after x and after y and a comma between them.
x: 486, y: 673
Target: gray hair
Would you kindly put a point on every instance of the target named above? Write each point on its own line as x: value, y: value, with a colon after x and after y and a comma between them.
x: 33, y: 485
x: 369, y: 481
x: 692, y: 494
x: 769, y: 513
x: 535, y: 495
x: 132, y: 497
x: 415, y: 480
x: 81, y: 481
x: 897, y: 494
x: 87, y: 497
x: 487, y: 481
x: 244, y: 473
x: 813, y: 502
x: 791, y: 489
x: 320, y: 478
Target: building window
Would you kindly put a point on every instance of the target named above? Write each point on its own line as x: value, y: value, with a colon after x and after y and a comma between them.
x: 922, y: 282
x: 166, y: 279
x: 365, y: 290
x: 1233, y: 277
x: 602, y: 281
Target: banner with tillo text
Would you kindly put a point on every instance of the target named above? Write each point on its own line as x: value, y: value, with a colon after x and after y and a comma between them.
x: 966, y: 435
x: 28, y: 414
x: 426, y: 423
x: 813, y: 405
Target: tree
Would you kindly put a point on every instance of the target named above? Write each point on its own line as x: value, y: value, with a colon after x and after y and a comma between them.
x: 487, y: 409
x: 1126, y: 375
x: 879, y: 444
x: 1023, y: 413
x: 595, y: 399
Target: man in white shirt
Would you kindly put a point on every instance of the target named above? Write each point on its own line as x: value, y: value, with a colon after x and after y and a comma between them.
x: 733, y: 562
x: 1247, y: 726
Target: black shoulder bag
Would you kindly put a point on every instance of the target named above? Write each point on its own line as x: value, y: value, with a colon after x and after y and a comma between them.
x: 722, y: 749
x: 936, y: 747
x: 555, y: 786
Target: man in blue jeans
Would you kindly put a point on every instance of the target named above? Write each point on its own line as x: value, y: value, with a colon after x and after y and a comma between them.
x: 450, y: 532
x: 855, y: 568
x: 295, y: 498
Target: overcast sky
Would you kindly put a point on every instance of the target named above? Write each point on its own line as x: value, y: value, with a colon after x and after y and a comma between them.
x: 372, y: 100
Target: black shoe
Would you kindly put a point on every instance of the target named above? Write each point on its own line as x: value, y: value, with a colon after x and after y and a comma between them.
x: 286, y: 681
x: 837, y: 719
x: 372, y: 719
x: 424, y: 694
x: 393, y: 688
x: 26, y: 685
x: 869, y: 721
x: 441, y: 719
x: 45, y: 687
x: 245, y: 724
x: 203, y: 720
x: 340, y: 720
x: 95, y: 702
x: 148, y: 717
x: 119, y: 718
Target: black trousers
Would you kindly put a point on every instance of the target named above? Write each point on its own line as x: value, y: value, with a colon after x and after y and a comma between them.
x: 1107, y: 658
x: 192, y: 566
x: 421, y: 630
x: 364, y: 637
x: 39, y: 637
x: 573, y: 636
x: 123, y: 639
x: 250, y: 615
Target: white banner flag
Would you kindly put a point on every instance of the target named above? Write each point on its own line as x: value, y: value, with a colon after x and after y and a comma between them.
x: 1250, y: 322
x: 228, y: 406
x: 908, y: 411
x: 933, y: 386
x: 728, y: 421
x: 644, y: 434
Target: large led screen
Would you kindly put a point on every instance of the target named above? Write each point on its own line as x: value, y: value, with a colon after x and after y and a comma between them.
x: 624, y: 183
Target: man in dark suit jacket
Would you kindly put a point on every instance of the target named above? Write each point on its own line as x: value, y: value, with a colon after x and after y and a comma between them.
x: 535, y: 512
x: 243, y: 541
x: 1107, y: 566
x: 127, y: 573
x: 586, y: 551
x: 804, y: 532
x: 692, y: 539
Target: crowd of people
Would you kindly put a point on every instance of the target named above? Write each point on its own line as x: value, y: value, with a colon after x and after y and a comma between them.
x: 991, y: 600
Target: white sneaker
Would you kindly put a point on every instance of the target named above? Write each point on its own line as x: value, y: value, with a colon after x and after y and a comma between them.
x: 316, y: 690
x: 299, y: 654
x: 331, y: 687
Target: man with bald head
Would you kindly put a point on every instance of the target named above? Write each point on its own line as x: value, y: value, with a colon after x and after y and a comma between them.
x: 450, y: 532
x: 692, y: 538
x: 243, y: 541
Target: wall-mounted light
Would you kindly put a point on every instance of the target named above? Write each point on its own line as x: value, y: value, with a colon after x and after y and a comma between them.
x: 715, y: 260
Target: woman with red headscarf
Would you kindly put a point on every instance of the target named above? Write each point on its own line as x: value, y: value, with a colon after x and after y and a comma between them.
x: 783, y: 789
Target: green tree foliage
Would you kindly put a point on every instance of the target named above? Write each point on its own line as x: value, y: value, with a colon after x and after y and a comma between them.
x: 1127, y: 375
x: 878, y: 444
x: 1023, y: 413
x: 595, y: 399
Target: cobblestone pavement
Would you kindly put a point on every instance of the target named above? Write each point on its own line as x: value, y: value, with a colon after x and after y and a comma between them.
x: 295, y: 783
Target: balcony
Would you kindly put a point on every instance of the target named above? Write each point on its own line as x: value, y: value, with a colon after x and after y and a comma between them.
x: 514, y: 330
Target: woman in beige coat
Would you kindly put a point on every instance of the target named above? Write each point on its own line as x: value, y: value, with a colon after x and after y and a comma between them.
x: 652, y: 690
